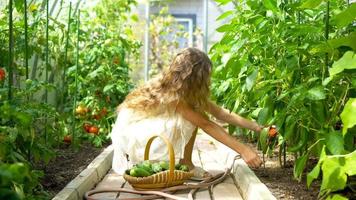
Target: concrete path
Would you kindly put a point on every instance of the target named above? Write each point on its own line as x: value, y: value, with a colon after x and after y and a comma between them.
x: 208, y: 154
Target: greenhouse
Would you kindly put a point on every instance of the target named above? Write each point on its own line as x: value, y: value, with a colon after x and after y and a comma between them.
x: 177, y: 99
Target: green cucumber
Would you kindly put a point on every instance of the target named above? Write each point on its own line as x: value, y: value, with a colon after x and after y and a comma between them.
x: 303, y: 140
x: 127, y: 171
x: 139, y: 172
x: 178, y: 166
x: 164, y: 165
x: 145, y: 167
x: 184, y: 168
x: 156, y: 167
x: 147, y: 163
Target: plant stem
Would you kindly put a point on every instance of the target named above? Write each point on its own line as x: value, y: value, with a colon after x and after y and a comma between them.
x: 46, y: 68
x: 26, y: 38
x: 66, y: 55
x: 326, y: 35
x: 76, y: 77
x: 11, y: 48
x: 47, y: 51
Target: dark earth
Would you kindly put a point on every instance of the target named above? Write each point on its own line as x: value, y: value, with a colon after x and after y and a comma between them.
x: 68, y: 163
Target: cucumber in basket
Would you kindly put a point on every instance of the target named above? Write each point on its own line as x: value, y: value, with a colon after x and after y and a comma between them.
x: 146, y: 168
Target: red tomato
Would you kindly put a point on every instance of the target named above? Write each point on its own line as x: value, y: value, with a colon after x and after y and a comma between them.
x: 103, y: 111
x: 97, y: 116
x: 80, y: 110
x: 94, y: 130
x: 107, y: 99
x: 2, y: 74
x: 116, y: 60
x: 67, y: 139
x: 272, y: 132
x: 86, y: 127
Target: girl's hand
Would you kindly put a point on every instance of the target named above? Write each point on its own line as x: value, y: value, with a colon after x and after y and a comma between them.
x: 251, y: 157
x: 258, y: 128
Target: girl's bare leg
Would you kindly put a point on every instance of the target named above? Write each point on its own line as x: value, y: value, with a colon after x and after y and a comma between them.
x: 188, y: 150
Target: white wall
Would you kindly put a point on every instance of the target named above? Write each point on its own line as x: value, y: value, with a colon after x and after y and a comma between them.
x: 196, y: 7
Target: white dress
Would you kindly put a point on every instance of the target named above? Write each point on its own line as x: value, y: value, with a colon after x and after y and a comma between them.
x: 132, y: 130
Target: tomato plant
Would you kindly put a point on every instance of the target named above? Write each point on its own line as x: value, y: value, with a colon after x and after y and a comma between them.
x: 292, y: 64
x: 36, y: 101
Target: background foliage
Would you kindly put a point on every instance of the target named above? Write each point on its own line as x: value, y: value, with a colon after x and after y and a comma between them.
x: 75, y: 100
x: 292, y: 63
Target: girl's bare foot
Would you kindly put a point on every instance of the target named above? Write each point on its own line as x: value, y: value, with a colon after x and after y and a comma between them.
x: 199, y: 173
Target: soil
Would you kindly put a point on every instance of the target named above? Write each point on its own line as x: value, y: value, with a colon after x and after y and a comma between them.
x: 68, y: 163
x: 280, y: 180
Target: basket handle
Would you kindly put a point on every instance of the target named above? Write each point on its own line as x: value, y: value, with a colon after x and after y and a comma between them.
x: 170, y: 151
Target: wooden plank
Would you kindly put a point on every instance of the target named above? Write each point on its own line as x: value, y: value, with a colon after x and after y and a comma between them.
x: 202, y: 194
x: 112, y: 181
x: 195, y: 157
x: 207, y: 153
x: 226, y: 190
x: 216, y: 158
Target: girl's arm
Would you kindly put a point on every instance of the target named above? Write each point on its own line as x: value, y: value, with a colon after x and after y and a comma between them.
x: 232, y: 118
x: 217, y: 132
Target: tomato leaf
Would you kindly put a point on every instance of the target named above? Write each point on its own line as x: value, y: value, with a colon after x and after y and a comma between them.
x: 225, y: 14
x: 225, y: 28
x: 347, y: 61
x: 263, y: 140
x: 299, y: 166
x: 334, y: 177
x: 316, y: 93
x: 263, y: 116
x: 348, y: 115
x: 350, y: 163
x: 349, y: 41
x: 223, y: 2
x: 250, y: 80
x: 271, y: 5
x: 336, y: 197
x: 314, y: 174
x: 335, y: 143
x: 311, y: 3
x: 345, y: 17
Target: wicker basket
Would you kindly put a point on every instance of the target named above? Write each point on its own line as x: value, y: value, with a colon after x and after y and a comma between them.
x: 162, y: 179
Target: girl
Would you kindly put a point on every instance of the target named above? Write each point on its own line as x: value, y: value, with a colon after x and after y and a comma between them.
x: 174, y: 105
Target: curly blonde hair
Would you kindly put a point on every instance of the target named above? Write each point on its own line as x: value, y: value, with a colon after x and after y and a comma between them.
x: 187, y: 79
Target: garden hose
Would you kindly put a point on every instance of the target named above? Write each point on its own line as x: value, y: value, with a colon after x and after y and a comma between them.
x: 167, y: 192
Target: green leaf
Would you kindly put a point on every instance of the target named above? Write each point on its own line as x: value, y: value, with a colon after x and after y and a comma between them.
x: 225, y: 14
x: 263, y: 116
x: 19, y: 5
x: 289, y: 127
x: 316, y: 93
x: 250, y: 80
x: 271, y: 5
x: 311, y: 3
x: 334, y: 177
x: 348, y: 115
x: 350, y: 163
x: 263, y: 140
x: 299, y: 166
x: 225, y: 28
x: 223, y: 2
x: 347, y: 61
x: 335, y: 142
x: 108, y: 88
x: 314, y: 174
x: 349, y: 41
x: 345, y: 17
x: 336, y: 197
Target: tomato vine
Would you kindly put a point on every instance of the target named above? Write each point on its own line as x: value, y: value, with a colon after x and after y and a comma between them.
x: 275, y: 63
